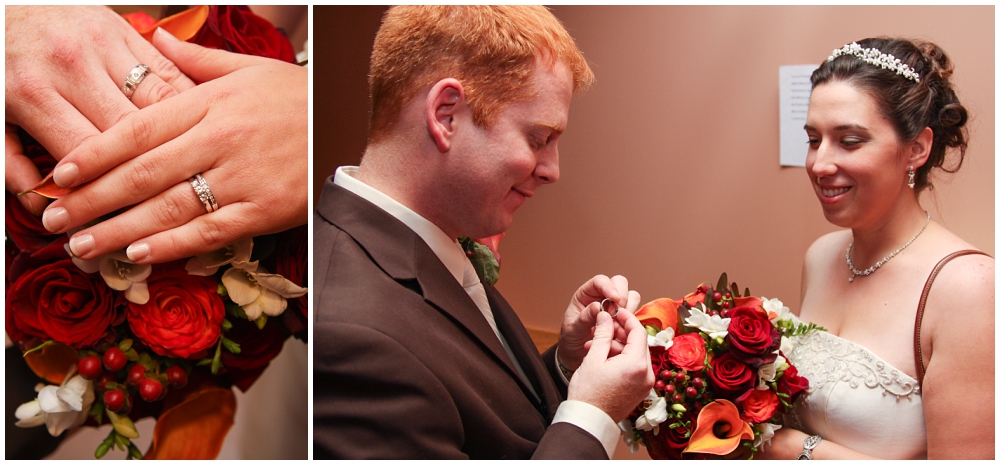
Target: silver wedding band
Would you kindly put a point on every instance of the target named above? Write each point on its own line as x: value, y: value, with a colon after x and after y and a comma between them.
x: 604, y: 307
x: 133, y: 79
x: 203, y: 192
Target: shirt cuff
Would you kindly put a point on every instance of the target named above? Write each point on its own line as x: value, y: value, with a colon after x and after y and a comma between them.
x: 592, y: 420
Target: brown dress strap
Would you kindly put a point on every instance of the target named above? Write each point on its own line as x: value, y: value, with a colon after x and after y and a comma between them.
x: 923, y: 301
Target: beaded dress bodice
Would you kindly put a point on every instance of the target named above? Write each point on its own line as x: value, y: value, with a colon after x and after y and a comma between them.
x: 856, y: 399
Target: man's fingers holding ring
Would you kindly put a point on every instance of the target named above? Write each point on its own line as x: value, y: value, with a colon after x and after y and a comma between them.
x: 610, y: 306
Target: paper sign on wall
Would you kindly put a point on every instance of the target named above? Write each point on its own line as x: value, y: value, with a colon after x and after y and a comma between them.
x: 793, y: 103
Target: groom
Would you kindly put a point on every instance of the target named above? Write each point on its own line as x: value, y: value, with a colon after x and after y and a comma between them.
x: 414, y: 356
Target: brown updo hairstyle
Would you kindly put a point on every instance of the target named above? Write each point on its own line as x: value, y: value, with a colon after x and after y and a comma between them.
x: 909, y: 106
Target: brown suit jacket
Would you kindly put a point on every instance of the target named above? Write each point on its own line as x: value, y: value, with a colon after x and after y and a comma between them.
x: 405, y: 364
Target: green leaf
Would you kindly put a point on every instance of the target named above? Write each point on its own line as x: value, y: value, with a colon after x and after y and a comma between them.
x: 723, y: 282
x: 133, y: 452
x: 482, y: 260
x: 231, y: 346
x: 217, y: 359
x: 123, y: 425
x: 203, y: 362
x: 131, y: 355
x: 261, y: 321
x: 105, y: 445
x: 226, y: 325
x: 125, y: 345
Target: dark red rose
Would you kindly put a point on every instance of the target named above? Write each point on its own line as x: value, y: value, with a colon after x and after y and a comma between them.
x: 752, y: 338
x: 58, y: 301
x: 688, y: 352
x: 237, y: 29
x: 758, y: 405
x: 791, y: 384
x: 292, y: 262
x: 669, y: 443
x: 23, y: 227
x: 257, y: 348
x: 183, y: 317
x: 730, y: 376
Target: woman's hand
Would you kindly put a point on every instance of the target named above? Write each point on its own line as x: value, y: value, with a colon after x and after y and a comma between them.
x: 245, y: 130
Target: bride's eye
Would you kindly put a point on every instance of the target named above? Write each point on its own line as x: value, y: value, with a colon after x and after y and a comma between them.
x: 851, y: 142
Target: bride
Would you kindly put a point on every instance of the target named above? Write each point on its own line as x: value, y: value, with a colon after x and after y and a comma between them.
x: 902, y: 373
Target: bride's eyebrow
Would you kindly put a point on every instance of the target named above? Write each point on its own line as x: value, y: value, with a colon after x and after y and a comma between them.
x: 842, y: 127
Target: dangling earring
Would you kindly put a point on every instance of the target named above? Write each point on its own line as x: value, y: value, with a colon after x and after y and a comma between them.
x: 912, y: 181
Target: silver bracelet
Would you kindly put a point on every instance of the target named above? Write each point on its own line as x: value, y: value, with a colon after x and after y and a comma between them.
x: 807, y: 446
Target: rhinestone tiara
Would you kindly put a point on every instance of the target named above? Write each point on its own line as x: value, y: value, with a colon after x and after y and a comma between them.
x: 874, y: 56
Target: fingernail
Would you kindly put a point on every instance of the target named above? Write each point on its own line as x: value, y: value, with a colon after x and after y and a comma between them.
x: 55, y: 219
x: 65, y: 174
x: 137, y: 252
x: 81, y: 245
x: 165, y: 34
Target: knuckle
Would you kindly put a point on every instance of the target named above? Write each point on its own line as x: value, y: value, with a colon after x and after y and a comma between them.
x: 141, y: 129
x: 165, y: 68
x: 139, y: 177
x: 158, y: 91
x: 65, y: 52
x: 211, y: 234
x: 169, y: 212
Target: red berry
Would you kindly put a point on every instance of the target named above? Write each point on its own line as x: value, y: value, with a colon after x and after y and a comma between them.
x: 150, y: 389
x: 725, y: 304
x: 659, y: 385
x: 114, y: 400
x: 670, y: 389
x: 136, y: 374
x: 666, y: 375
x: 716, y: 296
x: 114, y: 359
x: 681, y: 377
x: 697, y: 406
x: 691, y: 392
x: 729, y: 295
x: 677, y: 398
x: 698, y: 383
x: 176, y: 377
x: 89, y: 367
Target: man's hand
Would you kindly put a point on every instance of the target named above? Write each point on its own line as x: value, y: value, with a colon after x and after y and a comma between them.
x: 615, y: 384
x: 581, y: 316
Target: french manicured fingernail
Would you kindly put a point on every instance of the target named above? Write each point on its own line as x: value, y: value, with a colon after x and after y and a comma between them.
x: 137, y: 252
x: 65, y: 175
x: 55, y: 219
x: 81, y: 245
x: 166, y: 34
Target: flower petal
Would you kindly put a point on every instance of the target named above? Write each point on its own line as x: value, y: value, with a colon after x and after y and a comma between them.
x: 280, y: 285
x: 241, y: 290
x: 110, y: 273
x: 138, y: 293
x: 49, y: 401
x: 731, y: 427
x: 194, y: 428
x: 29, y: 411
x: 662, y: 313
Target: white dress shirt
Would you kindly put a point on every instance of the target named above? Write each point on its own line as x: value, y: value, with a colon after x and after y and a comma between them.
x: 589, y: 418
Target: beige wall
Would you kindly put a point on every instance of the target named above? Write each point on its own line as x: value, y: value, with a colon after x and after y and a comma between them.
x: 669, y: 167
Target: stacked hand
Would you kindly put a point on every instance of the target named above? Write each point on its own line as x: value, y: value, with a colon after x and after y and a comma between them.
x: 609, y: 354
x: 245, y: 130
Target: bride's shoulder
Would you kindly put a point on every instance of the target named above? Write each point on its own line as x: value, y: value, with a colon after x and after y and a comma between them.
x: 827, y: 246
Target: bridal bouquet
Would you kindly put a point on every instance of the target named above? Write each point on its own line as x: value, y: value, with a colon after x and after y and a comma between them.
x: 118, y: 341
x: 722, y: 380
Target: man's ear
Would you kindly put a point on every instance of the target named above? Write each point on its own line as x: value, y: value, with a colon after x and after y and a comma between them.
x: 920, y: 148
x: 444, y: 101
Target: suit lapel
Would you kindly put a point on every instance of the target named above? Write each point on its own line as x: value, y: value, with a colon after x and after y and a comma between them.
x: 404, y: 256
x: 527, y: 355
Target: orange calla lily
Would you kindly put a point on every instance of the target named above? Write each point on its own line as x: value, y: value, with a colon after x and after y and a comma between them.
x: 183, y: 25
x: 720, y: 429
x: 52, y: 362
x: 196, y: 427
x: 661, y: 313
x: 751, y: 301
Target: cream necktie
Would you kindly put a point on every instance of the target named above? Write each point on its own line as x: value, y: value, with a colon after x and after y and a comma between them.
x: 475, y: 289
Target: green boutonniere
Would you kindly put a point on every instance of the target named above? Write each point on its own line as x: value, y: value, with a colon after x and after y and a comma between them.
x: 482, y: 259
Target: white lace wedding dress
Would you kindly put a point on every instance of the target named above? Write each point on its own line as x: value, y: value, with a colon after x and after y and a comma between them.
x: 856, y: 399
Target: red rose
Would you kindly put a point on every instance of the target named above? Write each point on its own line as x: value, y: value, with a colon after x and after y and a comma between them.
x: 59, y: 301
x: 184, y: 314
x: 257, y: 348
x: 237, y: 29
x: 688, y: 352
x: 792, y: 384
x: 752, y: 338
x: 23, y: 227
x: 759, y: 405
x: 730, y: 376
x: 670, y: 442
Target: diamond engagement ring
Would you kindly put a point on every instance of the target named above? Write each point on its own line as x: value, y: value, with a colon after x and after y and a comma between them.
x: 133, y: 79
x: 605, y: 307
x: 204, y: 193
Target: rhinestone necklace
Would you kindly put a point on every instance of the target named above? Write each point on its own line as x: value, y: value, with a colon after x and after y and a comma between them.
x: 854, y: 271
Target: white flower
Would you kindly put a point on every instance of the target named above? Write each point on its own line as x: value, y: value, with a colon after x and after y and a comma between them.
x: 627, y: 435
x: 119, y: 273
x: 774, y: 306
x: 655, y: 413
x: 58, y: 407
x: 767, y: 372
x: 715, y: 326
x: 787, y: 345
x: 663, y: 338
x: 257, y: 291
x: 766, y: 433
x: 207, y: 264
